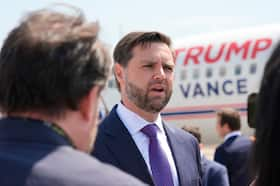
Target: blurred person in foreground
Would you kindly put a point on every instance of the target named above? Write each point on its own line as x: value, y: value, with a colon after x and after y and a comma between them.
x: 234, y: 152
x: 213, y: 173
x: 52, y: 69
x: 266, y: 152
x: 134, y: 137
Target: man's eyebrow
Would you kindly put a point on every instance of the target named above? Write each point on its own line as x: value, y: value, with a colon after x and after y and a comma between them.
x: 150, y: 61
x: 169, y: 64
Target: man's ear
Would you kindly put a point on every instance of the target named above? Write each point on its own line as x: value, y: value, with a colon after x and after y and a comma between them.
x: 89, y: 103
x: 119, y: 72
x: 226, y: 127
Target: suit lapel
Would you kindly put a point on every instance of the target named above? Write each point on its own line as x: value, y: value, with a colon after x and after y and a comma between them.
x: 179, y: 154
x: 124, y: 149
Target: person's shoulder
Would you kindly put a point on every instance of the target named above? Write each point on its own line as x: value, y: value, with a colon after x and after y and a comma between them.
x: 215, y: 173
x: 217, y: 167
x: 244, y: 139
x: 182, y: 135
x: 212, y: 167
x: 111, y: 117
x: 109, y: 175
x: 73, y: 167
x: 241, y: 142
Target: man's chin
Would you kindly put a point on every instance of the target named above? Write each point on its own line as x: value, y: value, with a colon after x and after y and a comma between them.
x: 157, y: 107
x: 157, y: 99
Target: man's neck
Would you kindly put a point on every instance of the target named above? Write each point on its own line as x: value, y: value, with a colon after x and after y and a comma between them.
x: 231, y: 134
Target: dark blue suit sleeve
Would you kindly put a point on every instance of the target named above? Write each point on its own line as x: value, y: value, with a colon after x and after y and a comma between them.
x: 218, y: 177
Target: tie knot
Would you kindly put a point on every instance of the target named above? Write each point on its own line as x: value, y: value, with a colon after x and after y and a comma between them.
x: 150, y: 130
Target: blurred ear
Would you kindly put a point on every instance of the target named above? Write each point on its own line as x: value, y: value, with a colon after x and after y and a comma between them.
x: 119, y: 72
x: 226, y: 127
x: 89, y: 103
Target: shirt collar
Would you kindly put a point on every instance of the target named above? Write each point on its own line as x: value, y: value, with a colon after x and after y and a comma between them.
x: 133, y: 122
x: 231, y: 134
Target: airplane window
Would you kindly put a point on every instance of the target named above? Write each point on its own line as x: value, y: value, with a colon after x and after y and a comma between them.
x: 209, y: 72
x: 238, y: 70
x: 195, y: 73
x: 222, y: 71
x: 183, y: 75
x: 253, y: 68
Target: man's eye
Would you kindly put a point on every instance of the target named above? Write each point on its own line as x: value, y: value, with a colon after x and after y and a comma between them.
x: 168, y: 68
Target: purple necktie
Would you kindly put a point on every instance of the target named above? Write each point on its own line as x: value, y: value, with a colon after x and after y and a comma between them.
x: 158, y: 161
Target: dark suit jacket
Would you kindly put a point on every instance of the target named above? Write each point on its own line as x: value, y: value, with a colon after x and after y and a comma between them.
x: 32, y: 154
x: 234, y: 153
x: 115, y: 146
x: 213, y: 173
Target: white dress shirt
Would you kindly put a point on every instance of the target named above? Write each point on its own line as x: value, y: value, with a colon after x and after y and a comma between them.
x: 134, y: 123
x: 234, y: 133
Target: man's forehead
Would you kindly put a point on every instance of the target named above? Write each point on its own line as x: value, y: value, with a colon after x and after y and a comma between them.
x: 153, y: 52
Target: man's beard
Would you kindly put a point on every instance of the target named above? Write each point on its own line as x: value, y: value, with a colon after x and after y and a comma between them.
x: 141, y: 98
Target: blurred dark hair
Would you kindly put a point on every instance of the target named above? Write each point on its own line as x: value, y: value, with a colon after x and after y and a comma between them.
x: 194, y: 131
x: 251, y: 109
x: 231, y: 117
x: 266, y: 151
x: 49, y: 62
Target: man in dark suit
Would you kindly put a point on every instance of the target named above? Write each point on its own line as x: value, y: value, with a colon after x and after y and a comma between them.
x: 52, y: 69
x: 213, y: 173
x: 134, y: 137
x: 234, y: 152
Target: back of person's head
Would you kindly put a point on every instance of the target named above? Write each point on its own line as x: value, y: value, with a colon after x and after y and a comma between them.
x: 267, y: 153
x: 194, y: 131
x: 231, y: 117
x: 50, y: 61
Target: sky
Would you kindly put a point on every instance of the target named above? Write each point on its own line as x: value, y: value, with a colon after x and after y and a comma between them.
x: 176, y: 18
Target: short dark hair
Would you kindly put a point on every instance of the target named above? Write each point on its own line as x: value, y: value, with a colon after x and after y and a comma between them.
x: 193, y: 131
x: 49, y: 62
x: 123, y: 50
x: 231, y: 117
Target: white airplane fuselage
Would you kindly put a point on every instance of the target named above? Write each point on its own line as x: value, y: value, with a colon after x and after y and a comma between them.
x: 212, y: 72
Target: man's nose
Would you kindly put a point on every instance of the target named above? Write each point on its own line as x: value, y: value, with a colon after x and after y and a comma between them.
x: 159, y: 74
